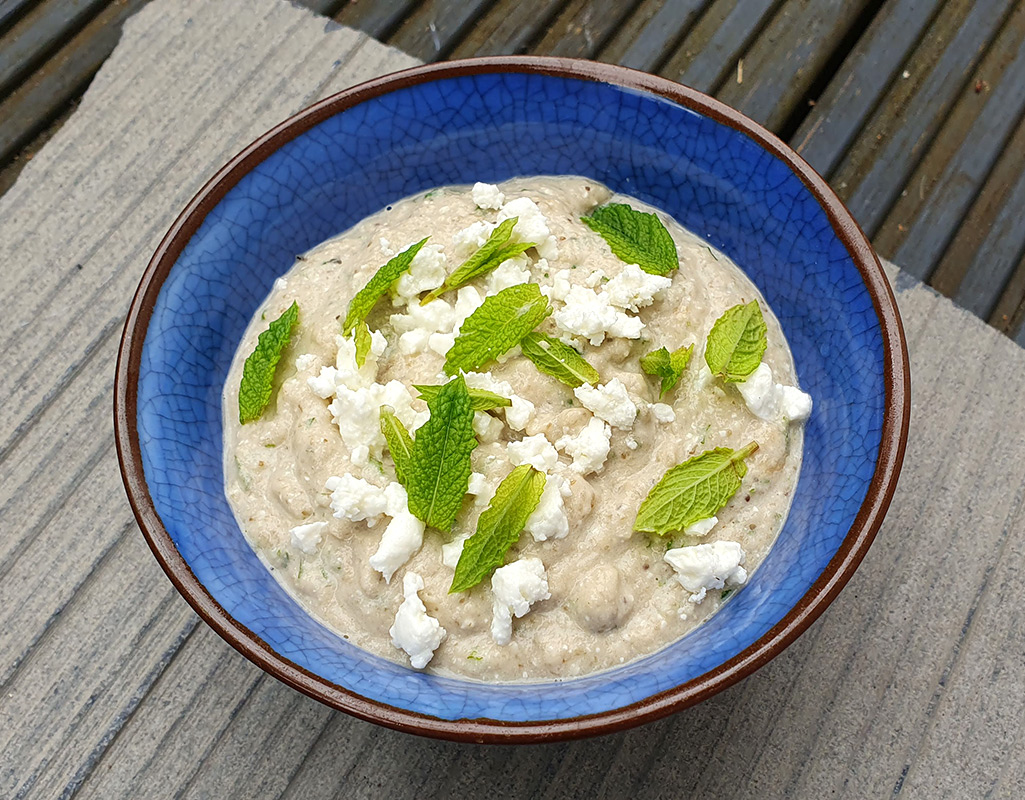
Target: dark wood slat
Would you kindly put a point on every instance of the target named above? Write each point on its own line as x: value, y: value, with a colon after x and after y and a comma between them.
x: 509, y: 27
x: 861, y: 82
x: 377, y: 19
x: 9, y: 9
x: 583, y: 28
x: 9, y: 172
x: 945, y: 183
x: 652, y: 33
x: 38, y: 32
x: 432, y: 31
x: 878, y: 166
x: 989, y: 242
x: 44, y: 95
x: 323, y: 7
x: 784, y: 61
x: 1009, y: 312
x: 708, y: 55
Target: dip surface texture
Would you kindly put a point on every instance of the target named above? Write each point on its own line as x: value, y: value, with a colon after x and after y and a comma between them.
x: 612, y: 595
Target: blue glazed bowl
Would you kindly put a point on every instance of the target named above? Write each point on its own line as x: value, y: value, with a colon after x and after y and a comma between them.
x: 718, y: 173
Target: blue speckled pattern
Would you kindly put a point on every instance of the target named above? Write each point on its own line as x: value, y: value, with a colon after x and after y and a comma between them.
x: 714, y: 180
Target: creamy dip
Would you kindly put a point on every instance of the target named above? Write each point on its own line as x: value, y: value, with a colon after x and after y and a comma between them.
x: 612, y: 595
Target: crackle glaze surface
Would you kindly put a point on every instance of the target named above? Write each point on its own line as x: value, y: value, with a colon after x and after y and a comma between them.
x: 713, y: 179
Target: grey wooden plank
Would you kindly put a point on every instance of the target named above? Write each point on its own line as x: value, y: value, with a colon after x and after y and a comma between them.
x: 583, y: 28
x: 707, y: 58
x: 41, y: 97
x: 921, y: 225
x: 10, y: 171
x: 10, y: 9
x: 432, y: 30
x: 508, y: 28
x: 872, y: 174
x: 39, y: 31
x: 861, y: 81
x: 784, y: 60
x: 652, y: 32
x: 377, y: 19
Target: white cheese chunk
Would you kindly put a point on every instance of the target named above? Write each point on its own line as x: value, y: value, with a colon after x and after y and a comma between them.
x: 633, y: 288
x: 441, y: 343
x: 769, y: 400
x: 307, y: 537
x: 531, y: 226
x: 472, y: 238
x: 610, y: 402
x: 515, y: 587
x: 534, y: 450
x: 345, y: 373
x: 590, y: 314
x: 403, y: 536
x: 511, y: 272
x: 451, y: 551
x: 549, y: 520
x: 468, y: 300
x: 480, y: 487
x: 414, y: 631
x: 520, y: 413
x: 589, y: 448
x: 708, y: 566
x: 487, y: 427
x: 356, y: 500
x: 662, y: 412
x: 487, y: 196
x: 305, y: 361
x: 358, y: 414
x: 419, y: 322
x: 426, y: 271
x: 701, y: 527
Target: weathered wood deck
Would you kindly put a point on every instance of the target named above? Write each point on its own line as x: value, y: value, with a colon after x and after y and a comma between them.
x: 913, y: 109
x: 911, y: 685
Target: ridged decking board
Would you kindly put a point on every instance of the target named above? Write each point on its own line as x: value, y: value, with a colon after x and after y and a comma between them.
x: 910, y: 685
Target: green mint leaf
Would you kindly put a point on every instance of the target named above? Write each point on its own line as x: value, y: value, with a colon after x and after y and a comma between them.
x: 254, y: 393
x: 496, y: 327
x: 558, y: 359
x: 361, y: 337
x: 400, y: 444
x: 736, y: 342
x: 366, y: 298
x: 635, y: 237
x: 499, y: 526
x: 480, y: 399
x: 439, y: 470
x: 694, y: 490
x: 667, y: 366
x: 492, y: 253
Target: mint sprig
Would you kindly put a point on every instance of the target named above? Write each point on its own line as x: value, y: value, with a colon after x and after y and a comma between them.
x: 736, y: 343
x: 480, y: 399
x: 400, y: 444
x: 694, y: 490
x: 558, y: 359
x: 362, y: 340
x: 499, y: 526
x: 438, y: 472
x: 498, y: 325
x: 256, y: 388
x: 490, y: 255
x: 635, y: 237
x: 667, y: 366
x: 366, y: 298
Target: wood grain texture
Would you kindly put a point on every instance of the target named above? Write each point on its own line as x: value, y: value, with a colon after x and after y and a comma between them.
x: 909, y: 685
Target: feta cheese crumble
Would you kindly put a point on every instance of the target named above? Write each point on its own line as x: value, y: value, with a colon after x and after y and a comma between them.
x: 610, y: 402
x: 514, y: 588
x: 591, y: 314
x: 414, y: 631
x: 403, y: 536
x: 534, y: 450
x: 701, y: 527
x: 531, y: 226
x: 662, y: 412
x: 487, y: 196
x: 307, y: 537
x: 589, y: 448
x: 549, y: 520
x: 356, y: 500
x: 633, y: 288
x: 702, y: 567
x: 769, y: 400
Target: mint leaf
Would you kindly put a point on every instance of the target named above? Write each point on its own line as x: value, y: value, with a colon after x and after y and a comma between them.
x: 635, y: 237
x: 694, y: 490
x: 492, y: 253
x: 667, y: 366
x: 480, y: 399
x: 499, y: 526
x: 736, y: 342
x: 496, y: 327
x: 366, y: 298
x: 361, y: 337
x: 254, y: 392
x: 558, y: 359
x: 439, y: 469
x: 400, y: 444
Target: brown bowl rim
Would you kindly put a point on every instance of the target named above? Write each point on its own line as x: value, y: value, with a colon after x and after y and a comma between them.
x: 836, y: 574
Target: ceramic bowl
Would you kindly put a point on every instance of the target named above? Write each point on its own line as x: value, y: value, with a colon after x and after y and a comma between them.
x: 718, y: 173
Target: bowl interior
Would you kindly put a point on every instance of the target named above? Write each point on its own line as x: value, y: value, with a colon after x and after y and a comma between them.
x: 715, y: 180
